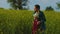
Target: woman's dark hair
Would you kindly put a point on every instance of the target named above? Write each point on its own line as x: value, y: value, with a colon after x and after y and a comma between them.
x: 37, y: 6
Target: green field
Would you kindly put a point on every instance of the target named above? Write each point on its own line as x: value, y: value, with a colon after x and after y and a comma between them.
x: 20, y: 22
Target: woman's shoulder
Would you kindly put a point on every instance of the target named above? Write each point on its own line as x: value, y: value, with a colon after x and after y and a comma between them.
x: 41, y: 12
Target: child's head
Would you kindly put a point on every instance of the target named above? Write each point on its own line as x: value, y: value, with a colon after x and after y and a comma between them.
x: 36, y: 7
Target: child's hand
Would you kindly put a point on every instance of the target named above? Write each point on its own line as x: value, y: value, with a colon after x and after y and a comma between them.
x: 38, y: 22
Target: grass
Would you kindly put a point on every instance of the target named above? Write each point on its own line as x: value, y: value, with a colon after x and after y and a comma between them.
x: 20, y: 22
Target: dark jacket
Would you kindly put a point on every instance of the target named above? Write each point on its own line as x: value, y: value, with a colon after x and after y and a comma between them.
x: 41, y: 17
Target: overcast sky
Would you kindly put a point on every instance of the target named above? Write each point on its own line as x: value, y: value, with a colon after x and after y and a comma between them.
x: 42, y: 3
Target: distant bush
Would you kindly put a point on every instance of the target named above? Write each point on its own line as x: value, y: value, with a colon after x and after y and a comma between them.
x: 1, y: 8
x: 49, y: 9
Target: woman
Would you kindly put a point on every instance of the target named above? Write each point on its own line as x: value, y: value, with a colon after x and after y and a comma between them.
x: 39, y: 19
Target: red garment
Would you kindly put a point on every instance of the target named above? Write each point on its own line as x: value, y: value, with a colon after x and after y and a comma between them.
x: 34, y: 26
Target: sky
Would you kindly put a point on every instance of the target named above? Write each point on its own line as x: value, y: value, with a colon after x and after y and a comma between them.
x: 42, y: 3
x: 4, y: 4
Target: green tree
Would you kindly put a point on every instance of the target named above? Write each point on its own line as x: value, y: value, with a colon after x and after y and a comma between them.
x: 17, y: 4
x: 58, y: 4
